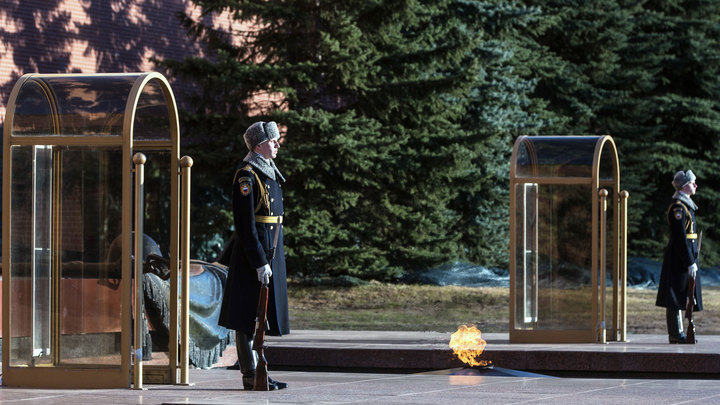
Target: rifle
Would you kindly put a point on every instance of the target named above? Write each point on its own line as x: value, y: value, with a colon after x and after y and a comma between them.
x: 261, y: 325
x: 691, y: 302
x: 261, y: 374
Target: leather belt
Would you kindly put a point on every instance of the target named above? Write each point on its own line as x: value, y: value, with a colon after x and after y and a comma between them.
x: 691, y: 236
x: 266, y: 219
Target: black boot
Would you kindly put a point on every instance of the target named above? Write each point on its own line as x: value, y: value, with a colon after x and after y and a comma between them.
x: 247, y: 359
x: 276, y: 385
x: 673, y: 318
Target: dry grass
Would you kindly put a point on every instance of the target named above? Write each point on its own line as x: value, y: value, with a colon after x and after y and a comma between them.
x: 378, y: 306
x: 645, y: 317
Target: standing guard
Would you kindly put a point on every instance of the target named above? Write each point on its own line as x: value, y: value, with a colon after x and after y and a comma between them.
x: 257, y: 212
x: 680, y: 260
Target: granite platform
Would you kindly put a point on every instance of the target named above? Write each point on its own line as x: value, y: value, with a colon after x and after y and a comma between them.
x: 417, y: 351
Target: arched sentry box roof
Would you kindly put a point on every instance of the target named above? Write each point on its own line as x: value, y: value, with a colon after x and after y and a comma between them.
x: 567, y: 232
x: 102, y: 108
x: 565, y: 159
x: 69, y: 142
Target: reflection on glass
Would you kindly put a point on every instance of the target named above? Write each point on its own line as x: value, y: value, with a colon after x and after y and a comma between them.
x: 33, y: 112
x: 21, y: 256
x: 607, y: 161
x: 527, y: 252
x: 555, y: 280
x: 40, y: 265
x: 158, y: 169
x: 91, y: 194
x: 84, y: 216
x: 556, y: 156
x: 152, y: 118
x: 611, y: 250
x: 72, y: 105
x: 157, y: 217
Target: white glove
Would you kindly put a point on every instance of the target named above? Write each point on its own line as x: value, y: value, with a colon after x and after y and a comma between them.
x: 692, y: 270
x: 264, y: 274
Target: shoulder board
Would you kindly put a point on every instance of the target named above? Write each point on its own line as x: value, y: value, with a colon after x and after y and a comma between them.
x: 242, y: 173
x: 246, y: 168
x: 680, y: 204
x: 678, y: 208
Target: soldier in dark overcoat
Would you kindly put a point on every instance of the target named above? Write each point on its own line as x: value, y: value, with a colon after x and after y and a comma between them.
x: 680, y: 261
x: 257, y: 215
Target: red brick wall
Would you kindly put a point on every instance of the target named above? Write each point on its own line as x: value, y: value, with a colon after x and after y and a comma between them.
x: 92, y: 36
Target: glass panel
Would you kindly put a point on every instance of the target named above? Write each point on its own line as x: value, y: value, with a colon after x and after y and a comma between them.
x: 42, y: 238
x: 31, y: 256
x: 607, y: 163
x: 521, y: 255
x: 610, y: 253
x: 527, y: 254
x: 561, y: 268
x: 156, y: 289
x: 90, y: 221
x: 21, y: 257
x: 33, y: 112
x: 65, y: 213
x: 152, y: 118
x: 83, y: 105
x: 556, y: 156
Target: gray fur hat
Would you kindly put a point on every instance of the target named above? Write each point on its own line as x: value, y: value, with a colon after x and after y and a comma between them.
x: 260, y: 132
x: 682, y: 178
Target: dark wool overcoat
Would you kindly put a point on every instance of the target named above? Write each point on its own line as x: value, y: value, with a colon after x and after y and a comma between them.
x: 680, y: 253
x: 255, y: 196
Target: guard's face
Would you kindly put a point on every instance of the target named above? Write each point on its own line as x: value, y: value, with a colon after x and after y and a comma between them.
x: 268, y: 149
x: 690, y: 188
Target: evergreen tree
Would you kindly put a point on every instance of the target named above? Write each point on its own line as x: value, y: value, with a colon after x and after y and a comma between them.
x: 677, y: 53
x: 598, y: 86
x: 500, y: 107
x: 645, y: 73
x: 578, y: 69
x: 382, y: 105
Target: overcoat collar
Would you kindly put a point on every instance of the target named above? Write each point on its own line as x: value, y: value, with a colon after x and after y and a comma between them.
x: 679, y: 195
x: 266, y: 166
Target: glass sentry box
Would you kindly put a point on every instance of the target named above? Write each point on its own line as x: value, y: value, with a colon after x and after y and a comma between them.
x: 567, y: 241
x: 78, y: 152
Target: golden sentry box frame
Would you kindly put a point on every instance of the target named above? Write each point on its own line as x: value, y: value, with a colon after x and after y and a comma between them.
x: 78, y: 149
x: 568, y: 227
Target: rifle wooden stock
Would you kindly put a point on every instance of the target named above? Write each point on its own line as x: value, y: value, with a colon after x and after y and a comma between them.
x: 690, y: 337
x: 261, y: 374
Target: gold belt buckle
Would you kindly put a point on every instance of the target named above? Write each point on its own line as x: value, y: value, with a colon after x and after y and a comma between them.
x: 266, y: 219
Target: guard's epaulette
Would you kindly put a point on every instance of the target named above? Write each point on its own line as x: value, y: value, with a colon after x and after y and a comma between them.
x: 242, y: 173
x: 677, y: 208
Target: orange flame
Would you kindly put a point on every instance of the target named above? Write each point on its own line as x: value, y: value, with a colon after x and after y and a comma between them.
x: 467, y: 344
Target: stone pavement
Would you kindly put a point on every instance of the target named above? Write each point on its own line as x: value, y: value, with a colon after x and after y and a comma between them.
x: 220, y: 387
x: 653, y: 374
